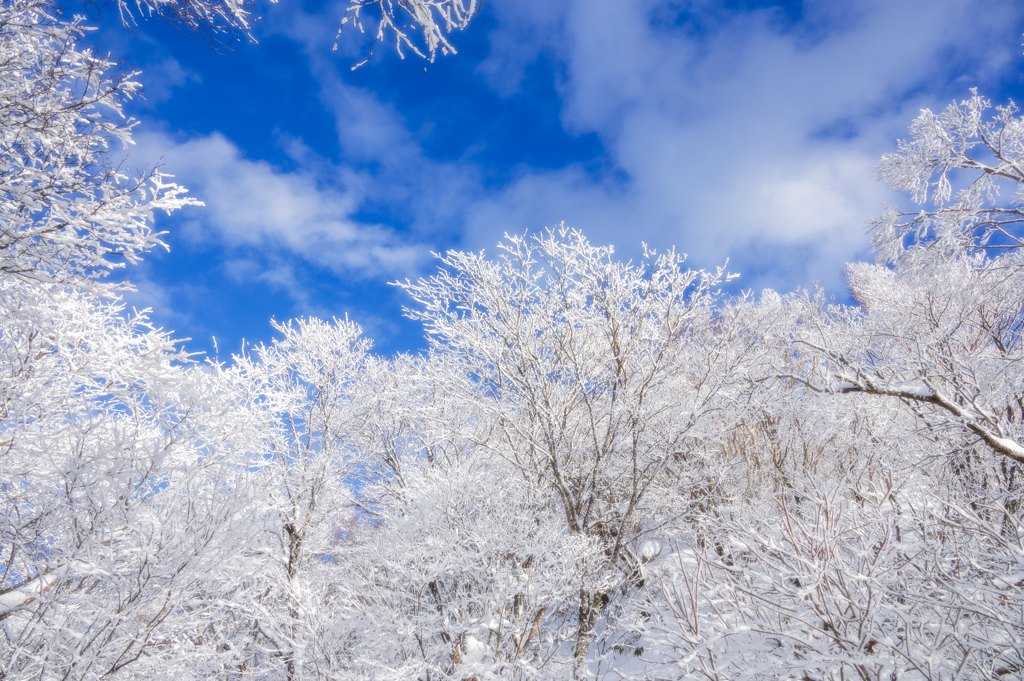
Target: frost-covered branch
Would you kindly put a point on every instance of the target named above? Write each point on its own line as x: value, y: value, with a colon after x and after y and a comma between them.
x: 68, y: 213
x: 398, y: 20
x: 958, y: 144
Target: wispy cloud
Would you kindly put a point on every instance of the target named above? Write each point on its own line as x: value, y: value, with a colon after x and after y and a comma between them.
x: 742, y: 133
x: 745, y: 133
x: 302, y: 213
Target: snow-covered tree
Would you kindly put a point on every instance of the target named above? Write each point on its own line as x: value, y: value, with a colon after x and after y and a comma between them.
x: 599, y: 377
x: 125, y: 490
x: 850, y: 541
x: 124, y: 506
x: 68, y: 212
x: 209, y: 17
x: 892, y: 548
x: 459, y: 565
x: 958, y: 149
x: 471, y: 572
x: 942, y: 327
x: 599, y: 469
x: 303, y: 389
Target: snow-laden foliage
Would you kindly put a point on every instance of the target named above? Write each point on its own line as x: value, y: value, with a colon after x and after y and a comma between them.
x: 69, y: 212
x: 211, y: 18
x: 396, y: 19
x: 957, y: 147
x: 597, y: 377
x: 305, y: 389
x: 124, y: 507
x: 597, y: 470
x: 943, y: 328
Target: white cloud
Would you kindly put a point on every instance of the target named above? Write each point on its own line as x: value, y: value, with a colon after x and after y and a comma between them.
x: 754, y: 130
x: 427, y: 195
x: 251, y: 204
x: 526, y: 30
x: 753, y: 137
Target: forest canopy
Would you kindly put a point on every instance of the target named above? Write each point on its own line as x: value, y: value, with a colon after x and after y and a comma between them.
x: 597, y: 469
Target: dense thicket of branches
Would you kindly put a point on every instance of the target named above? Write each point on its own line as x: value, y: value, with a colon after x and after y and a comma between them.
x: 597, y: 470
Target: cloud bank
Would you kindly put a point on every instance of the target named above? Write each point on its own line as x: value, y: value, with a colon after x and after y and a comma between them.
x: 747, y: 133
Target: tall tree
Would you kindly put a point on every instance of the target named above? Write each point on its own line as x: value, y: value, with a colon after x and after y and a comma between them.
x: 598, y: 377
x: 69, y: 213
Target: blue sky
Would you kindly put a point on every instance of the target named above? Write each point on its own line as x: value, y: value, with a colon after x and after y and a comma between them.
x: 746, y: 130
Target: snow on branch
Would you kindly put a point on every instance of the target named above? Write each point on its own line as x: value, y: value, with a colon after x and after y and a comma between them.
x: 398, y: 19
x: 958, y: 143
x: 69, y: 214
